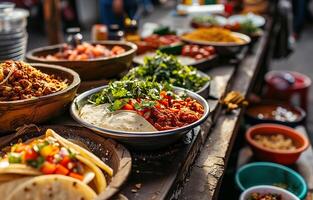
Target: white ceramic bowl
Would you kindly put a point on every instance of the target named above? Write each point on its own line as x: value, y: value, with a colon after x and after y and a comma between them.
x: 263, y: 189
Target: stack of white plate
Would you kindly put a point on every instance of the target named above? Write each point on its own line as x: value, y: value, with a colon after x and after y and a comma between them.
x: 13, y: 35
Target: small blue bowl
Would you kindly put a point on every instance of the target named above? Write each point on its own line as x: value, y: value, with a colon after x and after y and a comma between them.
x: 267, y: 173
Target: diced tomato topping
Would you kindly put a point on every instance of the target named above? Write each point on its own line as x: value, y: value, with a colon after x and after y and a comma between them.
x: 50, y: 159
x: 60, y: 169
x: 128, y: 107
x: 158, y: 105
x: 30, y: 154
x: 48, y: 168
x: 77, y: 176
x: 65, y: 161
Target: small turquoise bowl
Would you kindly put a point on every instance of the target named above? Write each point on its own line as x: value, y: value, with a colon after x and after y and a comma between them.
x: 267, y: 173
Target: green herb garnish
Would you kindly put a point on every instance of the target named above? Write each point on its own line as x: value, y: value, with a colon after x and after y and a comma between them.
x: 14, y: 157
x: 166, y: 69
x: 118, y: 93
x: 206, y: 19
x: 248, y: 27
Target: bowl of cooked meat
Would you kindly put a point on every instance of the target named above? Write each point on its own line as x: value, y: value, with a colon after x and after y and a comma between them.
x: 91, y: 60
x: 33, y: 93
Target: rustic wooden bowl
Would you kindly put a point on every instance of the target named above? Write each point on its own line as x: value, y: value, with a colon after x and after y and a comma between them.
x: 93, y: 69
x: 17, y: 113
x: 114, y: 154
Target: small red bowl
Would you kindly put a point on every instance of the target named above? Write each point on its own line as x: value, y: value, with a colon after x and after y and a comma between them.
x: 285, y: 157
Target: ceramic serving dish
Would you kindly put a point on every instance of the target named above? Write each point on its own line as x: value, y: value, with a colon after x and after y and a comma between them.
x: 140, y: 140
x: 267, y: 189
x: 92, y: 69
x: 224, y: 48
x: 267, y: 173
x: 205, y: 63
x: 286, y: 157
x: 258, y: 113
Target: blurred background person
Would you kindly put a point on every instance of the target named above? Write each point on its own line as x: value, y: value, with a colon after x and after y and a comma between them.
x: 301, y: 14
x: 115, y: 11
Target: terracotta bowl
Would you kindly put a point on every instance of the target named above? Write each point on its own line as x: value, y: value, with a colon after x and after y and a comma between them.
x: 20, y: 112
x: 266, y: 107
x: 285, y: 157
x: 93, y: 69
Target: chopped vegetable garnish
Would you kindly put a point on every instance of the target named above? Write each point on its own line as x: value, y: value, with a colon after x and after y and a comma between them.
x: 47, y: 155
x: 164, y: 68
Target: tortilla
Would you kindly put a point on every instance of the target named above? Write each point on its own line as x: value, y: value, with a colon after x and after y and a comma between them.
x: 10, y: 177
x: 85, y: 153
x: 52, y: 187
x: 6, y: 168
x: 122, y: 120
x: 100, y: 181
x: 7, y: 187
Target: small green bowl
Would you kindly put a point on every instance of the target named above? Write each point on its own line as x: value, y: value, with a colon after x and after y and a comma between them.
x: 267, y: 173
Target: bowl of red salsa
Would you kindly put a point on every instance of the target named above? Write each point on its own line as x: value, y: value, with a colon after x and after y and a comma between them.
x: 144, y: 115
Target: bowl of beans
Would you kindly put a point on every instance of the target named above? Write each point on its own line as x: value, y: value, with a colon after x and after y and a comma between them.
x: 33, y: 93
x: 276, y: 143
x: 91, y: 60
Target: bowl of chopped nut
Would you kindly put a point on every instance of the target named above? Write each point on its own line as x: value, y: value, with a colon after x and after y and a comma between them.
x: 276, y: 143
x: 33, y: 93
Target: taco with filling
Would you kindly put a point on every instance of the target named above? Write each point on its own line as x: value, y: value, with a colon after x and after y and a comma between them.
x: 53, y: 155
